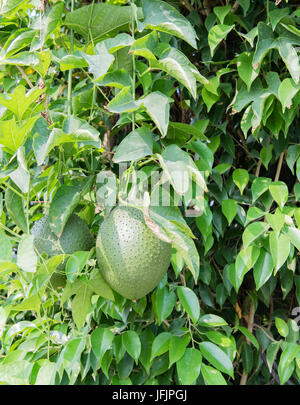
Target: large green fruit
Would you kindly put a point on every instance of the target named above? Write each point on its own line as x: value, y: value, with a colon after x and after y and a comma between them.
x: 75, y: 236
x: 131, y: 258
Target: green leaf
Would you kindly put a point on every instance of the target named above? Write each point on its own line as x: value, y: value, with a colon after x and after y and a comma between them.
x: 81, y: 304
x: 160, y: 344
x: 136, y: 145
x: 252, y: 34
x: 107, y: 187
x: 19, y: 101
x: 213, y: 85
x: 298, y: 169
x: 259, y: 186
x: 177, y: 65
x: 118, y: 42
x: 16, y: 373
x: 209, y: 98
x: 123, y: 101
x: 145, y: 46
x: 286, y: 363
x: 117, y: 381
x: 222, y: 12
x: 28, y: 304
x: 106, y: 362
x: 292, y: 156
x: 229, y: 209
x: 189, y: 366
x: 177, y: 347
x: 281, y: 326
x: 157, y: 106
x: 247, y: 357
x: 227, y: 343
x: 64, y: 201
x: 245, y: 68
x: 106, y: 19
x: 101, y: 61
x: 206, y: 155
x: 118, y: 78
x: 278, y: 14
x: 263, y: 269
x: 258, y: 97
x: 161, y: 16
x: 27, y: 258
x: 276, y: 220
x: 164, y: 301
x: 280, y: 249
x: 286, y: 92
x: 146, y: 338
x: 271, y: 354
x: 46, y: 374
x: 297, y: 194
x: 179, y: 167
x: 179, y: 132
x: 18, y: 40
x: 254, y: 231
x: 291, y: 28
x: 77, y: 61
x: 75, y: 130
x: 13, y: 135
x: 284, y: 45
x: 99, y: 286
x: 49, y: 266
x: 211, y: 321
x: 3, y: 317
x: 279, y: 192
x: 11, y: 6
x: 190, y: 302
x: 245, y: 260
x: 123, y: 60
x: 20, y: 327
x: 294, y: 236
x: 245, y: 4
x: 71, y: 355
x: 217, y: 34
x: 266, y: 155
x: 216, y: 357
x: 254, y: 213
x: 181, y: 241
x: 124, y: 367
x: 21, y: 176
x: 6, y: 250
x: 132, y: 344
x: 249, y: 336
x: 101, y: 341
x: 240, y: 178
x: 212, y: 376
x: 51, y: 19
x: 75, y: 264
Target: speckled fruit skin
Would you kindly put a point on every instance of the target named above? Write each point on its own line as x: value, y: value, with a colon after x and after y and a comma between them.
x: 76, y: 236
x: 131, y: 258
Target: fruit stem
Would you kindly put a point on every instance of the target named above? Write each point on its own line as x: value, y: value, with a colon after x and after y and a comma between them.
x: 70, y: 71
x: 10, y: 231
x: 133, y: 63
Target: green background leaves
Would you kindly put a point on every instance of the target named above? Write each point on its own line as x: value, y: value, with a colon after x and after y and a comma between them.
x: 189, y: 109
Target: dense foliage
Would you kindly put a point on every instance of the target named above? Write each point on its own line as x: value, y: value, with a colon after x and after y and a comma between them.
x: 189, y: 109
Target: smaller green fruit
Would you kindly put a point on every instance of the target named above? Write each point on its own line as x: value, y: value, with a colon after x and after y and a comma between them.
x: 75, y: 236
